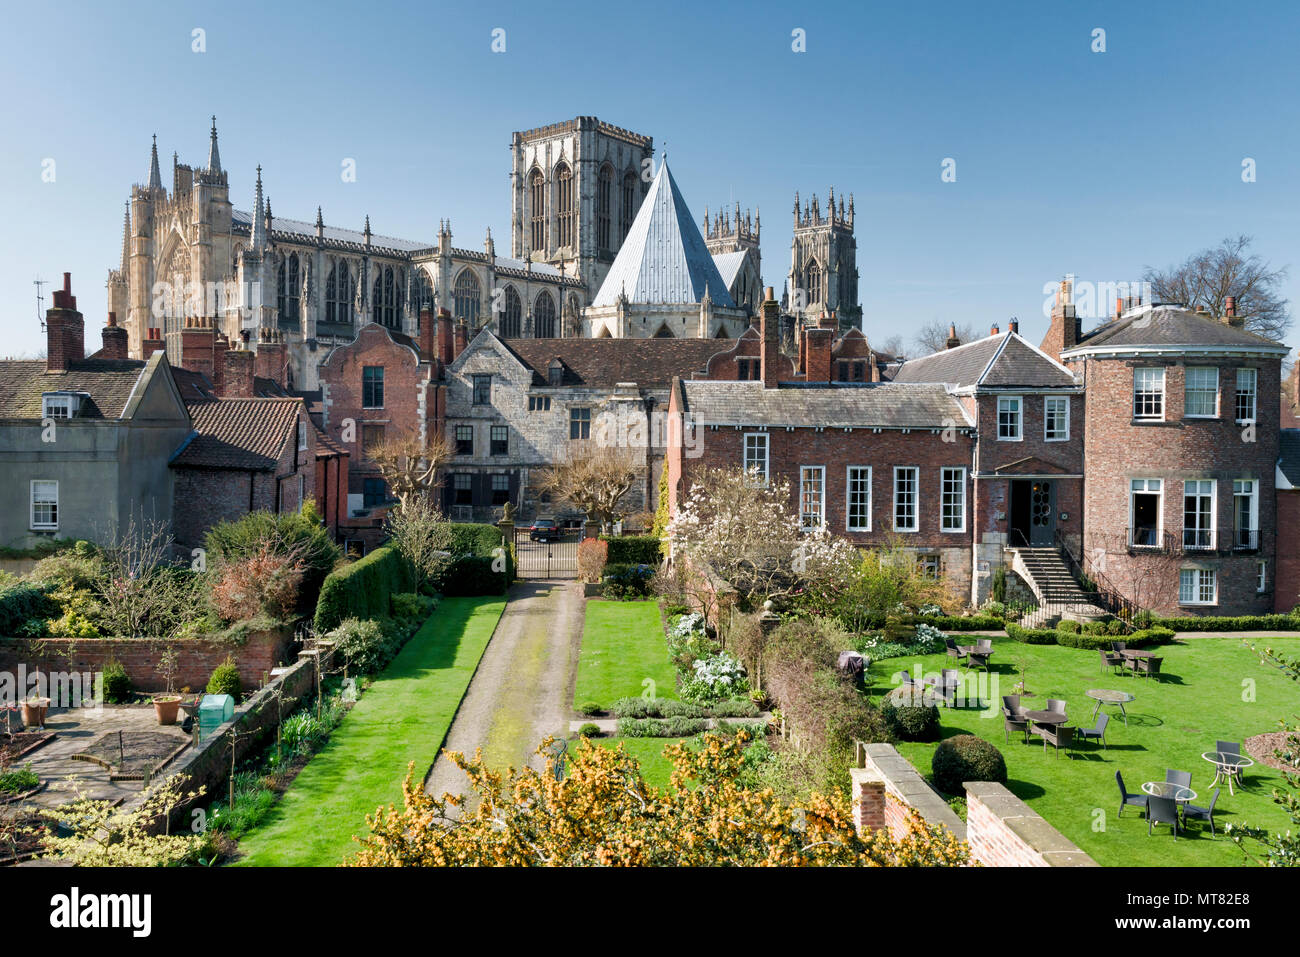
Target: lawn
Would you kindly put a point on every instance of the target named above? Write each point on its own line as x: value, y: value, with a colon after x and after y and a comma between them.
x: 1212, y: 688
x: 649, y: 753
x: 623, y: 647
x: 403, y: 717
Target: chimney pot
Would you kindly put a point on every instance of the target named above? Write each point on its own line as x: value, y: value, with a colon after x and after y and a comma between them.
x: 1014, y: 325
x: 994, y: 330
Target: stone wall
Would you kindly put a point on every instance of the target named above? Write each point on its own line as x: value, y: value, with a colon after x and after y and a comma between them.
x: 256, y: 656
x: 886, y: 787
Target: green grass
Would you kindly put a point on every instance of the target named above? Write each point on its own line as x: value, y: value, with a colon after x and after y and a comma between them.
x: 623, y: 644
x: 1213, y: 688
x: 402, y: 718
x: 649, y: 753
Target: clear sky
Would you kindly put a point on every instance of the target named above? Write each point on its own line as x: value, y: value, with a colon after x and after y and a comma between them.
x: 1067, y: 160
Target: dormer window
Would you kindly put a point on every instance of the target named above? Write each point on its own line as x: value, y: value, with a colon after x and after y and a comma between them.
x: 555, y: 372
x: 59, y: 405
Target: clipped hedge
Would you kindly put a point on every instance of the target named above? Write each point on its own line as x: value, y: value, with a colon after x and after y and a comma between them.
x: 1288, y: 622
x: 1033, y: 636
x: 363, y: 589
x: 633, y: 550
x: 911, y: 722
x: 963, y: 758
x: 473, y: 575
x: 24, y: 601
x: 1138, y: 639
x: 661, y: 727
x: 962, y: 623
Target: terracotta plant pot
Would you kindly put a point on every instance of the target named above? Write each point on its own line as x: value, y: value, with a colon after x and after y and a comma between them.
x: 34, y: 711
x: 166, y: 707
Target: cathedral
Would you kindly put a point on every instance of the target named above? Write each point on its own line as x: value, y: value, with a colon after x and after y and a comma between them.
x: 602, y: 244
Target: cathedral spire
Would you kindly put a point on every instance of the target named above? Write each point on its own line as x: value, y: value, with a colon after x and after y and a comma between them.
x: 155, y: 176
x: 214, y: 157
x: 320, y: 224
x: 259, y: 223
x: 126, y: 239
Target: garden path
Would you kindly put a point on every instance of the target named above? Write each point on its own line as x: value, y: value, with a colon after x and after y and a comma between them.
x: 523, y: 688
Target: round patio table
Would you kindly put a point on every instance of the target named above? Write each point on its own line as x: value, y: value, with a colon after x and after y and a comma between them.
x: 1167, y: 789
x: 1046, y: 717
x: 1227, y: 764
x: 1106, y: 696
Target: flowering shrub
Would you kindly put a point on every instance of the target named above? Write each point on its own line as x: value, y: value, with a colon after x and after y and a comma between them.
x: 929, y: 610
x: 263, y: 582
x: 684, y: 626
x: 717, y: 676
x: 928, y: 639
x: 687, y: 642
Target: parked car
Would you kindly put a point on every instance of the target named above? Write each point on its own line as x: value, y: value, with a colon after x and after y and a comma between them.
x: 544, y: 530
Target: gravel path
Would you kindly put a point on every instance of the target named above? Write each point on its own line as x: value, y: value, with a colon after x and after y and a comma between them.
x: 523, y: 688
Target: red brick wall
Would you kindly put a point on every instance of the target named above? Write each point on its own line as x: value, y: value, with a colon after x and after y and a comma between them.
x: 1118, y: 450
x: 1286, y: 580
x: 262, y: 651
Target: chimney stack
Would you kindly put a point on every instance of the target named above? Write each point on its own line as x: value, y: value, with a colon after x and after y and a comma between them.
x: 153, y: 342
x: 115, y: 339
x: 820, y: 341
x: 65, y: 330
x: 953, y: 341
x: 1230, y: 312
x: 272, y: 357
x: 237, y: 374
x: 769, y: 327
x: 445, y: 353
x: 994, y: 330
x: 428, y: 336
x: 197, y: 339
x: 1014, y: 325
x: 461, y: 339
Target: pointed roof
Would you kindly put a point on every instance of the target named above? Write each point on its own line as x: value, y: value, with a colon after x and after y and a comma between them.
x: 214, y: 157
x: 259, y: 220
x: 663, y: 259
x: 126, y: 238
x: 1003, y: 361
x: 1171, y: 329
x: 155, y: 176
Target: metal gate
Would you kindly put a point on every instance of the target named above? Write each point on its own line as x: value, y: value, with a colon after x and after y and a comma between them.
x: 554, y: 557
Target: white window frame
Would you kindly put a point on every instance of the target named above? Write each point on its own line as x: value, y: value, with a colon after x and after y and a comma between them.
x: 848, y: 498
x: 1159, y: 493
x: 916, y: 497
x: 302, y: 436
x: 58, y: 407
x: 1261, y: 578
x: 1253, y: 392
x: 1245, y: 488
x: 1148, y: 417
x: 1048, y: 401
x: 807, y: 472
x: 1198, y: 586
x: 747, y: 461
x: 943, y: 500
x: 1199, y: 492
x: 1188, y: 391
x: 1020, y: 418
x: 32, y: 503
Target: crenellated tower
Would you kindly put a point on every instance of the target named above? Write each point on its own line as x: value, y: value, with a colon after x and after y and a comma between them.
x: 823, y: 275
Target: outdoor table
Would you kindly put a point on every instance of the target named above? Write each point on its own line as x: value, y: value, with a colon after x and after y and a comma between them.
x: 1227, y: 765
x: 1131, y: 657
x: 1167, y: 789
x: 1046, y: 717
x: 974, y: 657
x: 1105, y: 696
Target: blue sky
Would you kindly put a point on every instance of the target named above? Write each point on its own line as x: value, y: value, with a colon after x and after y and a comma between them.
x: 1067, y: 160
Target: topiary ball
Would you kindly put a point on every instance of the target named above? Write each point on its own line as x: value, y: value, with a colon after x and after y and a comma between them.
x: 911, y: 718
x: 963, y: 758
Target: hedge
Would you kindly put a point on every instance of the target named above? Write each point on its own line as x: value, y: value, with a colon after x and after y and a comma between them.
x: 962, y: 623
x: 469, y: 539
x: 633, y: 550
x: 1138, y: 639
x: 963, y: 758
x: 23, y: 601
x: 1032, y: 636
x: 1290, y: 622
x: 472, y: 575
x: 363, y: 589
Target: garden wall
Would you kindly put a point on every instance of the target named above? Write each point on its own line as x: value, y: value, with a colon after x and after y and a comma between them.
x: 256, y: 655
x: 884, y: 774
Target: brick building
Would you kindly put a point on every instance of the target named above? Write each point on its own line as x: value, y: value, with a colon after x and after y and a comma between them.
x: 1181, y: 453
x: 1286, y: 581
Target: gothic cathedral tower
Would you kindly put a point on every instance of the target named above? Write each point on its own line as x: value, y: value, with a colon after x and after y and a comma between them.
x: 823, y: 263
x: 576, y: 186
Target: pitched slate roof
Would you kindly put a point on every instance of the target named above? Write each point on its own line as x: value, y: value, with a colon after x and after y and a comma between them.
x: 1170, y: 327
x: 108, y: 382
x: 244, y: 434
x: 996, y: 362
x: 663, y: 259
x: 1289, y: 455
x: 603, y: 363
x: 884, y: 405
x: 729, y: 265
x: 242, y: 221
x: 196, y: 387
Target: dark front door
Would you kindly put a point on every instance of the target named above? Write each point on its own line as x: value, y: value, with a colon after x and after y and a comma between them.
x: 1032, y: 512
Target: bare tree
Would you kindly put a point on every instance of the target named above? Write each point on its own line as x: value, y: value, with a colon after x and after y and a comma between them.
x: 893, y: 347
x: 933, y: 336
x: 1208, y: 277
x: 409, y: 467
x: 420, y: 533
x: 594, y: 479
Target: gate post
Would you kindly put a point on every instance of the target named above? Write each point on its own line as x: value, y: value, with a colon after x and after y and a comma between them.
x: 590, y: 529
x: 507, y: 528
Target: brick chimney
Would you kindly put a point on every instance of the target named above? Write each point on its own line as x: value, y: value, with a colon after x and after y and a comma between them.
x: 820, y: 342
x: 445, y: 337
x: 1014, y: 326
x: 115, y: 339
x: 197, y: 340
x: 220, y: 346
x: 1230, y: 316
x: 272, y: 357
x: 237, y: 377
x: 994, y: 330
x: 65, y: 330
x: 428, y: 335
x: 953, y: 341
x: 461, y: 339
x: 153, y: 342
x: 769, y: 330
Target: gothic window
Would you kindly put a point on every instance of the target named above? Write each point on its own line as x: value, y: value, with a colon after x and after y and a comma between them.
x: 512, y: 314
x: 280, y: 302
x: 423, y: 289
x: 544, y: 316
x: 564, y: 203
x: 537, y: 204
x: 293, y: 291
x: 465, y: 294
x: 629, y: 202
x: 813, y: 282
x: 604, y: 208
x: 338, y: 293
x: 384, y: 302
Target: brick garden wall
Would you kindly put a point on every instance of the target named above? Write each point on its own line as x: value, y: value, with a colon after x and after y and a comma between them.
x: 262, y: 651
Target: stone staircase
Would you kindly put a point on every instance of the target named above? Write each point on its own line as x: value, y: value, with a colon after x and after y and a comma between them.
x: 1059, y: 595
